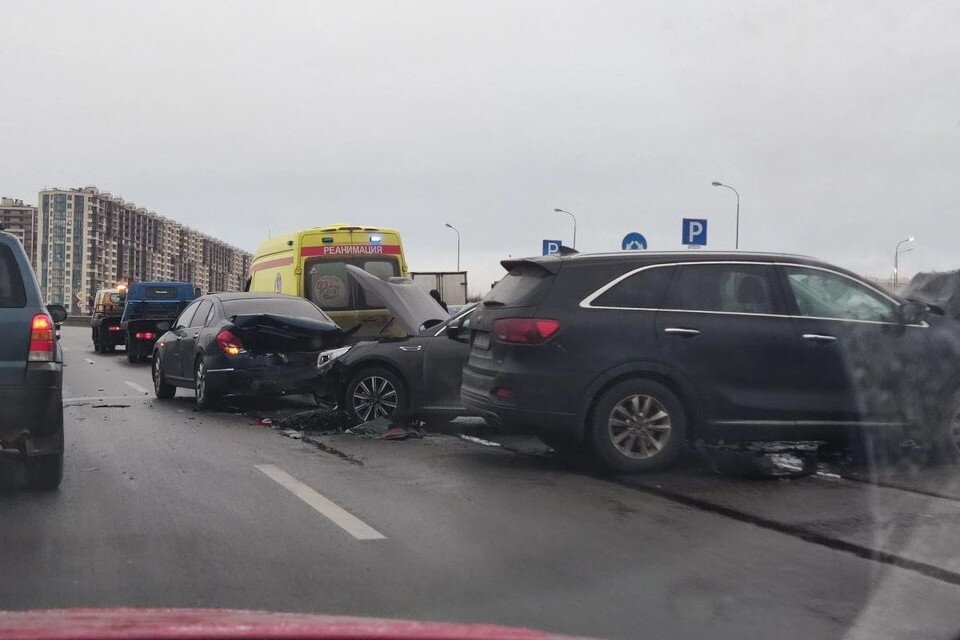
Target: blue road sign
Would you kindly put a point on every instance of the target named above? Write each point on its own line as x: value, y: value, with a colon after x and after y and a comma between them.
x: 695, y: 231
x: 633, y: 241
x: 551, y: 247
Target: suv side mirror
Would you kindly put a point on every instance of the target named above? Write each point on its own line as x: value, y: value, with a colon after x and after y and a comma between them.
x: 163, y: 325
x: 58, y: 312
x: 912, y: 312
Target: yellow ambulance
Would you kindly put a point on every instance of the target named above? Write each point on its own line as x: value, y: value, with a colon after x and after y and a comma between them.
x: 312, y: 264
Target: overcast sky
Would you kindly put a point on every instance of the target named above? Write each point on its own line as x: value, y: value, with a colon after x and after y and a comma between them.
x: 838, y: 122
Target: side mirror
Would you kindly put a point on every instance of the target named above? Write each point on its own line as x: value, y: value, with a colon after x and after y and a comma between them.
x: 163, y: 325
x: 913, y: 312
x: 457, y: 332
x: 58, y: 312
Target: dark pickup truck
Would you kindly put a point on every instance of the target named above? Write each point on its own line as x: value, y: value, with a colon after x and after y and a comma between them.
x: 149, y: 303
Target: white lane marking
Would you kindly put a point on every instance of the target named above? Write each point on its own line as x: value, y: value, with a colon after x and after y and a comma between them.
x: 136, y: 387
x: 336, y: 514
x: 89, y: 361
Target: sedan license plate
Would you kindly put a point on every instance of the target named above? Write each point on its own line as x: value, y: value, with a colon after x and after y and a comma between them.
x: 481, y: 341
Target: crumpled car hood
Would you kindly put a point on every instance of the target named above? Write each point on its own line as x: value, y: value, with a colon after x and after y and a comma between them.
x: 224, y: 624
x: 410, y: 305
x: 269, y: 332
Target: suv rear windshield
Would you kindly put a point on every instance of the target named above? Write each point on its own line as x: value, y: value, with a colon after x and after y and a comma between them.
x: 12, y: 293
x: 292, y: 307
x: 523, y: 285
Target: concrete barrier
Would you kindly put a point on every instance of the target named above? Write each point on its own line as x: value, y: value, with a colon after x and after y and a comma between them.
x: 77, y: 321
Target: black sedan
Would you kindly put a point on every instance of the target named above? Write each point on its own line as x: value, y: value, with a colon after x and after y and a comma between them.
x: 414, y: 376
x: 245, y: 344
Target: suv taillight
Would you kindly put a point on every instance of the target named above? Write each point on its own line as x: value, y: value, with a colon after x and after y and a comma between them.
x: 229, y: 343
x: 43, y: 346
x: 525, y: 330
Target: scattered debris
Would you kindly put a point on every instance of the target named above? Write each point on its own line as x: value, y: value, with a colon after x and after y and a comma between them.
x: 763, y: 459
x: 328, y: 421
x: 110, y: 406
x: 290, y: 433
x: 264, y: 422
x: 94, y: 469
x: 402, y: 433
x: 372, y: 428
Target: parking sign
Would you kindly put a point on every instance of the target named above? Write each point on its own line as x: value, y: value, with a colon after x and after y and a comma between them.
x: 695, y: 231
x: 551, y: 247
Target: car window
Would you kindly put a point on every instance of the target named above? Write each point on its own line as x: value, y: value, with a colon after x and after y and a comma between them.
x: 642, y: 290
x: 184, y: 319
x: 822, y: 294
x: 210, y: 315
x: 728, y: 288
x: 200, y: 316
x: 12, y: 292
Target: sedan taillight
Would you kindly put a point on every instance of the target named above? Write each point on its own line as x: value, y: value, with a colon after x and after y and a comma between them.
x: 229, y: 343
x: 43, y: 347
x: 525, y: 330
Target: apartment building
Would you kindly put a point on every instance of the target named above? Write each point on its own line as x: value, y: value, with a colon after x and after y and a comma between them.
x: 88, y: 239
x: 21, y: 220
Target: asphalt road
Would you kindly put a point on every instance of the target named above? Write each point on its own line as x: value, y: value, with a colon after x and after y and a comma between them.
x: 165, y: 506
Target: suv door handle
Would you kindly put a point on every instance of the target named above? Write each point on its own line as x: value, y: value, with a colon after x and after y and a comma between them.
x: 412, y: 348
x: 681, y: 331
x: 196, y: 335
x: 818, y: 337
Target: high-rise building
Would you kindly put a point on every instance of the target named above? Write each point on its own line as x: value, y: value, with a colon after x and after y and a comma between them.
x: 88, y: 239
x: 21, y: 220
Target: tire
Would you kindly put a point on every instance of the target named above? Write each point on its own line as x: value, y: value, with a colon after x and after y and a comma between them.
x: 623, y: 438
x: 387, y: 392
x: 132, y: 356
x: 44, y: 473
x: 206, y: 399
x: 161, y: 387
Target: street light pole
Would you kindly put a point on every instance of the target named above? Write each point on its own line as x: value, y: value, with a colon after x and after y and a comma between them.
x: 458, y: 244
x: 720, y: 184
x: 574, y: 225
x: 896, y: 260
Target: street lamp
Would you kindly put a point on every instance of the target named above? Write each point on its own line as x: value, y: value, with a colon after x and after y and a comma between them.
x: 896, y: 259
x: 574, y: 225
x: 720, y: 184
x: 458, y: 244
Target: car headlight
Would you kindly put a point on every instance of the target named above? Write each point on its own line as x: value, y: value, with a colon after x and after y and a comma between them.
x: 325, y: 358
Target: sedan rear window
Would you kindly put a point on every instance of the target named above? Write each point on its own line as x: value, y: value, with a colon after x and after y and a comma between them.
x: 12, y: 293
x: 279, y: 306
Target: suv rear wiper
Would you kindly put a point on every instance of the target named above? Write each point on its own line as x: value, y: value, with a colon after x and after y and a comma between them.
x: 493, y: 303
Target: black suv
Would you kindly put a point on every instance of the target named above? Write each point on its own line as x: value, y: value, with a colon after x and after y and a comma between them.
x: 632, y: 355
x: 31, y: 370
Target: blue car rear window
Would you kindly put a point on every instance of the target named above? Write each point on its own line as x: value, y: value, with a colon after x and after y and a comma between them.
x: 12, y: 292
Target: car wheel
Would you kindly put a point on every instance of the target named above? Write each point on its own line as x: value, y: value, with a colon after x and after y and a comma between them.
x: 637, y: 426
x: 206, y: 399
x: 44, y: 473
x: 374, y: 393
x: 161, y: 387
